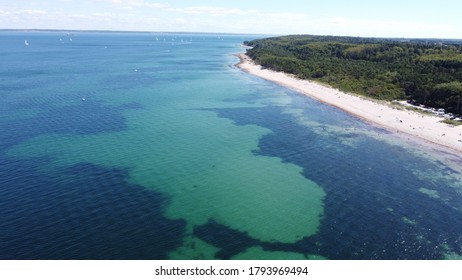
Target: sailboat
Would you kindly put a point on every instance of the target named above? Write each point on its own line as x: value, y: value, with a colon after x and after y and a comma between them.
x: 26, y: 43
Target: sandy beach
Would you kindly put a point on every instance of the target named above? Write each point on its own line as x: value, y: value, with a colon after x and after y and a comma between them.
x: 392, y: 117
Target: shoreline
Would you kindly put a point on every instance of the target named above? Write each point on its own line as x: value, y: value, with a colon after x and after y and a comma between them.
x: 381, y: 113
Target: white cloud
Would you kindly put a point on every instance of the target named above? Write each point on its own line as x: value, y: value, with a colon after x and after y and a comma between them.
x: 158, y: 16
x: 379, y: 28
x: 100, y: 14
x: 235, y: 20
x: 156, y: 5
x: 35, y: 12
x: 215, y: 11
x: 134, y: 3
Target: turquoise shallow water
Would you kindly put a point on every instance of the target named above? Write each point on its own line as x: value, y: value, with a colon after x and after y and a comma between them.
x: 154, y: 146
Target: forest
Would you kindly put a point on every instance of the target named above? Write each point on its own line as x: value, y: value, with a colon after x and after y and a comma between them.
x: 426, y: 72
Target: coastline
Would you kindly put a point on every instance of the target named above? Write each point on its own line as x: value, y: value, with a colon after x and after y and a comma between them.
x: 381, y: 113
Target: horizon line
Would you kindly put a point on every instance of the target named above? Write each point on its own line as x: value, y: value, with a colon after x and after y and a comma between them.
x: 127, y: 31
x: 214, y: 33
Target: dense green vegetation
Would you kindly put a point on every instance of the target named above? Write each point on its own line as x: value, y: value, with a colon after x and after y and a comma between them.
x: 426, y: 71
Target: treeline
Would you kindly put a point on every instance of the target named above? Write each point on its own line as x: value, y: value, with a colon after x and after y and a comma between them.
x: 426, y: 71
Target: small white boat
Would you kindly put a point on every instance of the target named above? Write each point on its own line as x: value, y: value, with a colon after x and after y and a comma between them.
x: 26, y: 43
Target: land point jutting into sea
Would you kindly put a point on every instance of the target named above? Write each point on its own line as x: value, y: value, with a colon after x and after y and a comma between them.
x: 156, y: 146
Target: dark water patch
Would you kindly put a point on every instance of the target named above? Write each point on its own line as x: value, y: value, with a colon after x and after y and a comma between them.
x: 22, y: 85
x: 9, y: 89
x: 86, y: 117
x: 21, y: 73
x: 83, y: 118
x: 373, y: 206
x: 82, y: 212
x: 447, y: 169
x: 231, y: 242
x: 348, y: 135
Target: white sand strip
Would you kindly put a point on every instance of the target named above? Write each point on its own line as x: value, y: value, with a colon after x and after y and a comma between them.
x: 384, y: 114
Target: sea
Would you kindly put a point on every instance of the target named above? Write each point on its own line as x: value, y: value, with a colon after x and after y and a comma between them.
x: 156, y: 146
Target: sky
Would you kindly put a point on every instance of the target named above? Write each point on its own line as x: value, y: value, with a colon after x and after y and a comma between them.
x: 367, y: 18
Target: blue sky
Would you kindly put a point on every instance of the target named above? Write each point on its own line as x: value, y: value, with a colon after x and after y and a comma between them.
x: 424, y: 18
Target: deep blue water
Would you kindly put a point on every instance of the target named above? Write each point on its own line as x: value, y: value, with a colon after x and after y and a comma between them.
x: 154, y: 146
